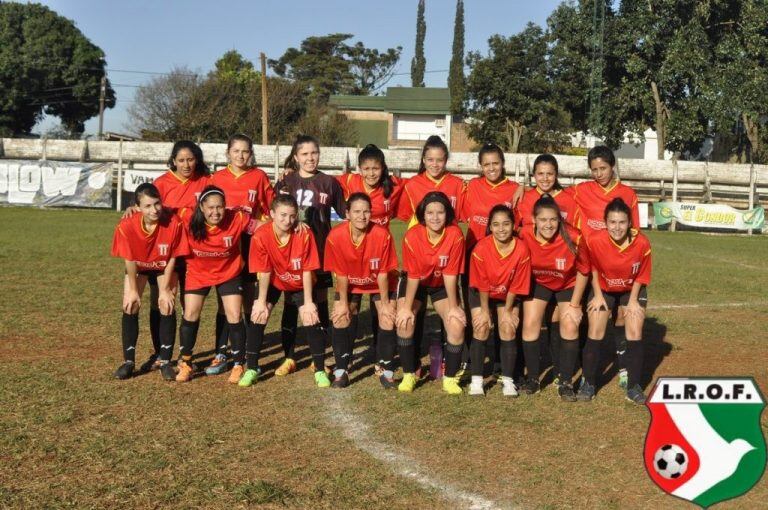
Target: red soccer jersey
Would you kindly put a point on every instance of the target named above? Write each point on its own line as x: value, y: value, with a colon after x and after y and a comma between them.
x: 499, y: 275
x: 569, y: 210
x: 417, y: 187
x: 553, y: 265
x: 593, y: 198
x: 429, y: 262
x: 361, y: 263
x: 216, y: 259
x: 618, y: 268
x: 286, y: 262
x: 177, y: 193
x: 151, y: 251
x: 250, y: 190
x: 478, y: 201
x: 382, y: 209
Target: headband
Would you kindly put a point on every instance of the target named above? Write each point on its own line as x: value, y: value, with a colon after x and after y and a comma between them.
x: 210, y: 192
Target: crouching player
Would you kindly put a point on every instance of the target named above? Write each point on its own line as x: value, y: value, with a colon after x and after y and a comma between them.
x: 499, y: 272
x: 149, y: 242
x: 362, y: 256
x: 621, y: 269
x: 433, y: 256
x: 284, y: 261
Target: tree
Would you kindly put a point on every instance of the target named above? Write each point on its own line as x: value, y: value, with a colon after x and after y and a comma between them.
x: 328, y: 65
x: 162, y: 107
x: 419, y: 63
x: 509, y: 95
x: 456, y: 81
x: 232, y: 65
x: 47, y: 66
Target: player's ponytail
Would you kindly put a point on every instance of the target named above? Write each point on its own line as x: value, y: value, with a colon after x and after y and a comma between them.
x: 197, y: 225
x: 371, y: 151
x: 547, y: 202
x: 503, y: 209
x: 290, y: 162
x: 433, y: 142
x: 551, y: 160
x: 620, y: 206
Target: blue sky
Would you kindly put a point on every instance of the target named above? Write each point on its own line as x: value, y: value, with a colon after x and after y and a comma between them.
x: 143, y: 35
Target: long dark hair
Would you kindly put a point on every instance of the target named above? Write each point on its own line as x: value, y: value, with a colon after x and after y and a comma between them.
x: 439, y: 197
x: 371, y: 151
x: 197, y: 224
x: 548, y: 158
x: 547, y: 202
x: 290, y: 162
x: 619, y: 205
x: 491, y: 148
x: 433, y: 142
x: 201, y: 169
x: 499, y: 208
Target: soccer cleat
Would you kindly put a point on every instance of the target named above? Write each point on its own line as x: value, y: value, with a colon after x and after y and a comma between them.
x: 185, y: 371
x: 451, y: 385
x: 408, y: 383
x: 508, y: 388
x: 635, y: 394
x: 566, y: 393
x: 287, y: 367
x: 167, y: 372
x: 623, y: 379
x: 249, y: 377
x: 460, y: 372
x: 313, y: 369
x: 321, y: 379
x: 124, y: 371
x: 219, y: 365
x: 236, y: 373
x: 151, y: 364
x: 341, y: 381
x: 388, y: 382
x: 476, y: 387
x: 586, y: 392
x: 530, y: 387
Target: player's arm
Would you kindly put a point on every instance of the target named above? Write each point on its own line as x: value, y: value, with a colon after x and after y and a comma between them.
x: 455, y: 311
x: 166, y: 298
x: 260, y: 310
x: 405, y: 314
x: 597, y: 304
x: 308, y: 311
x: 341, y: 305
x: 573, y: 311
x: 387, y: 305
x: 633, y: 307
x: 131, y: 297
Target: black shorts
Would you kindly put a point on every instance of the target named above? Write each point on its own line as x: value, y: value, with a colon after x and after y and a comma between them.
x: 323, y: 279
x: 180, y: 269
x: 622, y: 298
x: 151, y: 275
x: 294, y: 297
x: 245, y: 249
x: 543, y: 293
x: 358, y: 298
x: 435, y: 293
x: 474, y: 300
x: 228, y: 288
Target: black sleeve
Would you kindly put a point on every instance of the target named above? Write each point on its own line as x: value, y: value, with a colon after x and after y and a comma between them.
x: 339, y: 204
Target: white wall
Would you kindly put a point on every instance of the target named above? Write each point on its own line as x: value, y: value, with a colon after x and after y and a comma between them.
x: 420, y: 127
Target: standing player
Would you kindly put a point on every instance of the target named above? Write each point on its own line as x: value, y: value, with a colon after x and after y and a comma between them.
x: 362, y: 256
x: 213, y: 236
x: 499, y: 273
x: 246, y: 187
x: 316, y: 193
x: 149, y: 242
x: 560, y: 266
x: 545, y: 172
x: 433, y: 256
x: 621, y: 269
x: 284, y: 262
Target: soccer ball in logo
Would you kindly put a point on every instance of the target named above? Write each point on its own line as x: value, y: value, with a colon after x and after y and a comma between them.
x: 670, y: 461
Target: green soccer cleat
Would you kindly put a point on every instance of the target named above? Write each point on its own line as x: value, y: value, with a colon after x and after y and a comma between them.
x: 321, y: 379
x: 249, y: 377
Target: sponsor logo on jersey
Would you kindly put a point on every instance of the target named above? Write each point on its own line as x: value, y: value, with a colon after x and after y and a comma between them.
x: 619, y: 282
x: 211, y: 254
x: 498, y: 289
x: 227, y: 241
x: 149, y: 266
x: 288, y: 277
x: 361, y: 281
x: 162, y: 249
x: 705, y: 443
x: 296, y: 264
x: 596, y: 224
x: 480, y: 220
x: 442, y: 261
x: 375, y: 263
x: 560, y: 264
x: 548, y: 272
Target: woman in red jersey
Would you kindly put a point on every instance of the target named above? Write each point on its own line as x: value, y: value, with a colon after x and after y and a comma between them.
x: 213, y: 235
x: 545, y: 174
x: 621, y: 270
x: 362, y: 256
x: 499, y: 272
x: 246, y: 187
x: 149, y: 242
x: 433, y: 256
x: 179, y: 187
x: 284, y: 262
x: 560, y: 267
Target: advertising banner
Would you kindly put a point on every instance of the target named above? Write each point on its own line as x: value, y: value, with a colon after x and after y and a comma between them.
x: 709, y: 215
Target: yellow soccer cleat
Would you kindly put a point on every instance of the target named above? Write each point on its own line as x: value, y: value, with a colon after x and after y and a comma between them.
x: 408, y: 383
x: 451, y: 385
x: 288, y: 367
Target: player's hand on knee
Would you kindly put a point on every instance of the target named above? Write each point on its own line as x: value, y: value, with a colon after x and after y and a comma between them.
x: 457, y: 314
x: 308, y: 314
x: 404, y: 318
x: 131, y: 302
x: 259, y: 313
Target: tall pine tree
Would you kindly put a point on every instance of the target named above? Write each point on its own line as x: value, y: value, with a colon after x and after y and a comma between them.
x: 419, y: 62
x: 456, y: 81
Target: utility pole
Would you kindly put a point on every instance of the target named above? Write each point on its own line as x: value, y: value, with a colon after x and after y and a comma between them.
x: 264, y: 100
x: 102, y: 98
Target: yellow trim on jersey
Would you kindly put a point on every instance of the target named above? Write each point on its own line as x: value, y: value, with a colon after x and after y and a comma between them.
x: 147, y: 232
x: 277, y: 238
x: 552, y: 193
x: 478, y: 257
x: 436, y: 182
x: 633, y: 237
x: 494, y: 186
x: 439, y: 239
x: 180, y: 179
x: 352, y: 238
x: 229, y: 167
x: 513, y: 245
x: 611, y: 185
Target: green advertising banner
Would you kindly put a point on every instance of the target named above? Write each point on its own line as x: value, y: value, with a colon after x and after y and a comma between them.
x: 708, y: 215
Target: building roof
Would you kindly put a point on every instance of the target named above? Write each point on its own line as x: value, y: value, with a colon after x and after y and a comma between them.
x: 428, y: 100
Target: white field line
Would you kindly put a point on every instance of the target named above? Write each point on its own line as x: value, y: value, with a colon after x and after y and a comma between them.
x: 712, y: 257
x: 712, y: 305
x: 356, y: 430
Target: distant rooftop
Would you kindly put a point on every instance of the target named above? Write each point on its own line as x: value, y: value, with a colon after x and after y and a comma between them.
x: 427, y: 100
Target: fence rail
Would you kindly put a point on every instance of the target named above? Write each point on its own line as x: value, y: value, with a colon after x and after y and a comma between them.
x: 733, y: 184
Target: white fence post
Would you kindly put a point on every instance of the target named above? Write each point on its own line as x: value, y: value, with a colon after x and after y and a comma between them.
x: 752, y: 185
x: 673, y: 225
x: 120, y: 176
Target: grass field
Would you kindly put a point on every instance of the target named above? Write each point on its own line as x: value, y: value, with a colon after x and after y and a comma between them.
x: 71, y: 436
